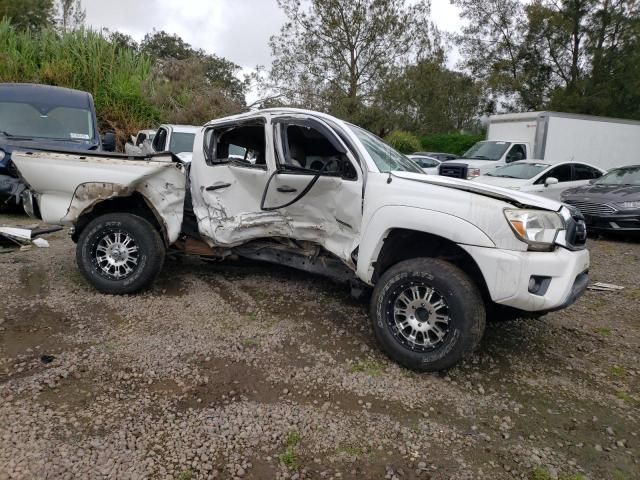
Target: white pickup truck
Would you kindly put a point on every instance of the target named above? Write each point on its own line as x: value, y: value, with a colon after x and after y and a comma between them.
x: 316, y: 193
x: 552, y: 137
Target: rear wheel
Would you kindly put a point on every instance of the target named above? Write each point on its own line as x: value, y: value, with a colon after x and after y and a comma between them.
x: 120, y: 253
x: 427, y: 314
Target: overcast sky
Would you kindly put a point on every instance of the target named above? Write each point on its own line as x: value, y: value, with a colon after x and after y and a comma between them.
x: 236, y: 29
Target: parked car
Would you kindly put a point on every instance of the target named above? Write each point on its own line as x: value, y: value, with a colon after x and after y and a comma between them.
x: 610, y: 203
x: 134, y: 147
x: 46, y: 117
x: 177, y: 139
x: 326, y: 197
x: 550, y: 136
x: 546, y: 179
x: 428, y: 164
x: 441, y: 156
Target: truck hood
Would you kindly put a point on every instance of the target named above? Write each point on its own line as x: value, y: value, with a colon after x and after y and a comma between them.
x: 504, y: 182
x: 504, y: 194
x: 603, y: 193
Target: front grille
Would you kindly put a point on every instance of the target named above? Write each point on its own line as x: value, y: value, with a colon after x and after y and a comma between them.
x: 590, y: 208
x: 454, y: 170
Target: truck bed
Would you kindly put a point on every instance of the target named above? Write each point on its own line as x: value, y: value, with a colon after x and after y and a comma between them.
x: 66, y: 185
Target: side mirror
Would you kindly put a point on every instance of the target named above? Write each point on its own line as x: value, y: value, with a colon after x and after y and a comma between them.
x: 109, y: 142
x: 550, y: 181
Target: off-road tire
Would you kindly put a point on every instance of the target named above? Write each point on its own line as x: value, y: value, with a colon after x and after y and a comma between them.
x: 466, y: 313
x: 150, y: 259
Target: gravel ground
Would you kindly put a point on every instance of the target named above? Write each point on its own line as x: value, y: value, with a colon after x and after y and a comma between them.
x: 247, y: 370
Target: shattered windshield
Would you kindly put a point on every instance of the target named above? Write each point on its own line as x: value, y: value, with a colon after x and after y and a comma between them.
x: 23, y: 120
x: 487, y: 150
x: 385, y: 157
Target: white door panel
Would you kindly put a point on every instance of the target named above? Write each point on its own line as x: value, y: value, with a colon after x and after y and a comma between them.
x: 330, y: 214
x: 232, y: 197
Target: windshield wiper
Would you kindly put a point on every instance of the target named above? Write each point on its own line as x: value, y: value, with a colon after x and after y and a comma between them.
x: 481, y: 157
x: 11, y: 135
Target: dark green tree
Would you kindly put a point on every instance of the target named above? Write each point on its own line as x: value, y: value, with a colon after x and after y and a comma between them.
x: 570, y: 55
x: 31, y: 15
x: 334, y: 55
x: 162, y: 45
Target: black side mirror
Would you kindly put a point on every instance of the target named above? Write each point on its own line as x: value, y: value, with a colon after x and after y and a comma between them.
x: 109, y: 142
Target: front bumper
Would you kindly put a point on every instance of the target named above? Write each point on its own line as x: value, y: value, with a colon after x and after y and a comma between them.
x: 622, y: 221
x: 507, y: 274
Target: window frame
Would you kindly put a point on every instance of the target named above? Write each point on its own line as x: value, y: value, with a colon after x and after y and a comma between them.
x: 541, y: 180
x: 156, y: 138
x: 280, y: 126
x: 209, y: 155
x: 589, y: 167
x: 513, y: 146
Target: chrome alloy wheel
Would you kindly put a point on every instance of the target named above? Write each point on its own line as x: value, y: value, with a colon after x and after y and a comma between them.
x: 419, y: 316
x: 116, y: 255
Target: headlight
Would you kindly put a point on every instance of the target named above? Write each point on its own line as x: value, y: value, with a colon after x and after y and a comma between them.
x: 1, y: 155
x: 538, y: 228
x: 623, y: 205
x: 473, y: 173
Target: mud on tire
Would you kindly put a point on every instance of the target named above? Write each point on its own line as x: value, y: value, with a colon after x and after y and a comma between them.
x: 427, y: 314
x: 120, y: 253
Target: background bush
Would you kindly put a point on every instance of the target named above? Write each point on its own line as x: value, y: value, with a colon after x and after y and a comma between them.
x: 133, y: 88
x: 456, y: 143
x: 83, y: 60
x: 402, y: 141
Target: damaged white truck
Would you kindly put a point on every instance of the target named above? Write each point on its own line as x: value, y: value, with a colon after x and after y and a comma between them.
x: 310, y: 191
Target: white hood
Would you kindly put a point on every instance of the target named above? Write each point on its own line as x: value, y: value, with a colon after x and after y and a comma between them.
x: 483, y: 189
x: 503, y: 182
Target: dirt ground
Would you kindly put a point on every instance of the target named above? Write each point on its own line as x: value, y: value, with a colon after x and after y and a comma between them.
x: 248, y: 370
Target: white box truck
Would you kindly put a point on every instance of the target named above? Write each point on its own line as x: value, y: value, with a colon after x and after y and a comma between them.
x: 553, y: 137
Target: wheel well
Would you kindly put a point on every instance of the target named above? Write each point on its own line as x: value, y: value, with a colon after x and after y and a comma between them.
x: 402, y: 244
x: 134, y: 204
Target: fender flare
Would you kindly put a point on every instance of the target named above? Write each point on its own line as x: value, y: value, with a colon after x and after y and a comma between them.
x: 392, y: 217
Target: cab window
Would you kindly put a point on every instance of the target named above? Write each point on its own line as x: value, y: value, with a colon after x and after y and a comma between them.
x: 517, y: 152
x: 306, y: 149
x: 244, y: 145
x: 585, y: 172
x: 160, y: 140
x: 561, y: 172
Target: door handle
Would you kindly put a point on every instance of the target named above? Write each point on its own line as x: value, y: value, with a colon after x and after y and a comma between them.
x: 217, y: 186
x: 286, y: 189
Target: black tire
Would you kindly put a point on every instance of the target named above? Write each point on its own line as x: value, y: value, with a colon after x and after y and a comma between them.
x: 115, y: 278
x: 463, y: 307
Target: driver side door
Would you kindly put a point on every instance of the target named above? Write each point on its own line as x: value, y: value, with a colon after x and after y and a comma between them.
x: 323, y: 179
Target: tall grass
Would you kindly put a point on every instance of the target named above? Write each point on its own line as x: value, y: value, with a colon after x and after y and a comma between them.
x: 84, y: 60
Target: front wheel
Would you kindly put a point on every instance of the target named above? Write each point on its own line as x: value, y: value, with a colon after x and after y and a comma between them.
x: 120, y: 253
x: 427, y: 314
